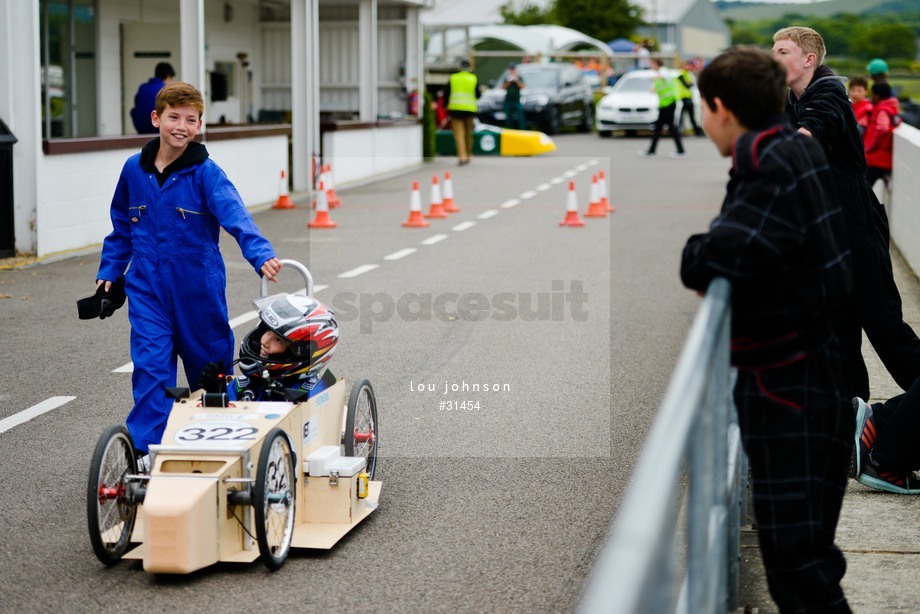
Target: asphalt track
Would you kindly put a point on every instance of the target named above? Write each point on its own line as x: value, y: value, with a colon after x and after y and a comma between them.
x: 499, y: 508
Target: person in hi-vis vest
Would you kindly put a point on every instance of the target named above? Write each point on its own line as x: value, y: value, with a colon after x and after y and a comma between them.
x: 461, y: 104
x: 666, y: 88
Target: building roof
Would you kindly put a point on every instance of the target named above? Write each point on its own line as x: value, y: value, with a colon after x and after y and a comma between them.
x: 529, y: 39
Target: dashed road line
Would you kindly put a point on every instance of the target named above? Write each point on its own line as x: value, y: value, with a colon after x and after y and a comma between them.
x: 556, y: 180
x: 569, y: 174
x: 434, y: 239
x: 510, y: 203
x: 463, y: 226
x: 34, y: 411
x: 528, y: 194
x: 400, y: 254
x: 543, y: 187
x: 364, y: 268
x: 487, y: 214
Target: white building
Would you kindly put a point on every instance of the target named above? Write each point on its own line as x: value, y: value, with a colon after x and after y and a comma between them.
x: 331, y: 79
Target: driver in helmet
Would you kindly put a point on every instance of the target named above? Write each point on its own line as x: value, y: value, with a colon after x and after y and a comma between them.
x: 290, y: 348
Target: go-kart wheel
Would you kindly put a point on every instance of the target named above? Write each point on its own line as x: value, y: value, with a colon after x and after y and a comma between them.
x: 273, y: 499
x: 361, y: 425
x: 109, y: 510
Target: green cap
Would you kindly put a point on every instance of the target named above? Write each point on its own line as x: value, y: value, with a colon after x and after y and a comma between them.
x: 877, y: 66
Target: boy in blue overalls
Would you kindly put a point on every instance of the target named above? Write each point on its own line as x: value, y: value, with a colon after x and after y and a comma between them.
x: 169, y: 205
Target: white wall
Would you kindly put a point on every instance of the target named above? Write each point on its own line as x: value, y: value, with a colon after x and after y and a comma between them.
x: 76, y: 190
x: 360, y: 155
x: 904, y: 204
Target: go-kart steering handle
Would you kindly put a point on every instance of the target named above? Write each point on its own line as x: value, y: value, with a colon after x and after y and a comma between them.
x: 307, y: 277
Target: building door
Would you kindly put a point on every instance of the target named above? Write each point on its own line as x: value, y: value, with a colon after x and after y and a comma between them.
x: 143, y: 46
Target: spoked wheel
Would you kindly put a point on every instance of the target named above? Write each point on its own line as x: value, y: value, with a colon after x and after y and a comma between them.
x: 361, y: 425
x: 110, y: 512
x: 273, y: 499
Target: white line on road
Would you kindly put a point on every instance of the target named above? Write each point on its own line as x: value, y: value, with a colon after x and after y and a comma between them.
x: 581, y: 167
x: 246, y: 317
x: 463, y: 226
x: 487, y: 214
x: 556, y: 180
x: 510, y: 203
x: 528, y: 194
x: 364, y: 268
x: 569, y: 174
x: 34, y: 411
x: 401, y: 253
x: 434, y: 239
x: 592, y: 162
x: 543, y: 187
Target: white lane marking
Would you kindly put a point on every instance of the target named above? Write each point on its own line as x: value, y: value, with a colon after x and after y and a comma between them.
x: 364, y: 268
x: 556, y: 180
x: 434, y: 239
x: 487, y: 214
x: 128, y: 368
x: 592, y: 162
x: 569, y: 174
x: 317, y: 288
x: 543, y: 187
x: 400, y: 254
x: 246, y: 317
x: 528, y: 194
x: 510, y: 203
x: 581, y: 167
x: 463, y: 226
x: 34, y: 411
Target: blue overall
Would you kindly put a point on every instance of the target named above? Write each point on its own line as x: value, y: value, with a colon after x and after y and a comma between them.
x: 176, y: 283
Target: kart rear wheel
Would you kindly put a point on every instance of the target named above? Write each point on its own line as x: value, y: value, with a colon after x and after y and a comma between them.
x: 110, y: 512
x: 361, y: 425
x: 273, y: 499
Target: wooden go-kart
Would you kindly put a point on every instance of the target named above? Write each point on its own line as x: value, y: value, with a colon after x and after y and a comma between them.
x: 238, y: 481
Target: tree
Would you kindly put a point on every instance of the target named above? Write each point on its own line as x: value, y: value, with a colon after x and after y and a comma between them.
x: 885, y: 40
x: 601, y: 19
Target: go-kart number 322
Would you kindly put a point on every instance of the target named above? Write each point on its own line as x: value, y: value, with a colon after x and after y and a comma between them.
x: 217, y: 433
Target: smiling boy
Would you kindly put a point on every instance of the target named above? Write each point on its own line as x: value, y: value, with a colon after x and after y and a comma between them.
x: 169, y: 205
x: 780, y: 240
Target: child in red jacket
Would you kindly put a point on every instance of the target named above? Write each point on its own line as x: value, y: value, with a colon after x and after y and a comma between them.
x: 878, y: 140
x: 862, y: 106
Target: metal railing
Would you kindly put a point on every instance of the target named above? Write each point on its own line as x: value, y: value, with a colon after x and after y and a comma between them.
x: 645, y: 566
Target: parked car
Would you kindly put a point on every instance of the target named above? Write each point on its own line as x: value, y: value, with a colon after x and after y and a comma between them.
x: 554, y: 95
x: 631, y: 104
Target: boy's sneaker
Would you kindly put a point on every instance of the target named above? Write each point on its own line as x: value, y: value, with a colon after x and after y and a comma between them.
x: 143, y: 464
x: 864, y: 436
x: 876, y: 477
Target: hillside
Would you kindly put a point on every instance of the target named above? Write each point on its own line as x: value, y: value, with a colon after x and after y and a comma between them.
x: 753, y: 11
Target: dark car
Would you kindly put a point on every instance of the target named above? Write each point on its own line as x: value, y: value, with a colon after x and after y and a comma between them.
x: 554, y: 95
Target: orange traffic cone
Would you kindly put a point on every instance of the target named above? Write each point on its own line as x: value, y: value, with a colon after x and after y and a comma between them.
x: 595, y: 207
x: 437, y: 209
x: 322, y: 219
x: 571, y: 209
x: 331, y: 196
x: 284, y: 201
x: 605, y: 194
x: 449, y: 195
x: 416, y: 220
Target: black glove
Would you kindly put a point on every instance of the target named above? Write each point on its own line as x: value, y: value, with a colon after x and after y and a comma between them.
x: 213, y: 378
x: 102, y: 304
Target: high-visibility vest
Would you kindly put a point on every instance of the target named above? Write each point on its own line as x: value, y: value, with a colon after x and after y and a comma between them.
x: 462, y: 92
x: 683, y: 91
x: 666, y: 89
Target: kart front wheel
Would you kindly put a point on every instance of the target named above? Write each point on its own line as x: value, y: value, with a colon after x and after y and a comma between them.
x: 110, y: 511
x: 361, y: 425
x: 273, y: 499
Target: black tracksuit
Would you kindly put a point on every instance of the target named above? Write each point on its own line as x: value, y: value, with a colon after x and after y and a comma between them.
x: 826, y: 112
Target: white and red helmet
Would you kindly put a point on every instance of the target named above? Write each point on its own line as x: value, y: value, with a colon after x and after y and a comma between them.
x: 305, y: 323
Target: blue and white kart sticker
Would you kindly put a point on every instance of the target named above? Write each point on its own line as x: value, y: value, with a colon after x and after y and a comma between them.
x: 217, y: 434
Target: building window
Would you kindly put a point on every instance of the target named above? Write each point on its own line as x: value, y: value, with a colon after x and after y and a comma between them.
x: 68, y: 50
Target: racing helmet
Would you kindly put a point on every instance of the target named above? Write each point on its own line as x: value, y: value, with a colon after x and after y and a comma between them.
x: 305, y: 323
x: 877, y: 66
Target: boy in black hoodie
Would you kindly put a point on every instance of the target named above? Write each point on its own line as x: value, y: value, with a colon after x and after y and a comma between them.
x: 781, y: 241
x: 818, y: 106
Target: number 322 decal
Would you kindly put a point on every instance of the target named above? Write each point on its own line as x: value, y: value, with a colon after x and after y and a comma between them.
x: 217, y: 433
